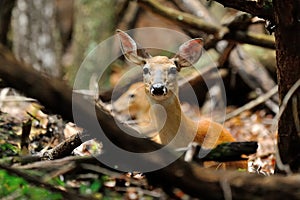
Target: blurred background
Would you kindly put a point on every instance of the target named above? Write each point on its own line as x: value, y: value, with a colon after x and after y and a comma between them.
x: 55, y: 36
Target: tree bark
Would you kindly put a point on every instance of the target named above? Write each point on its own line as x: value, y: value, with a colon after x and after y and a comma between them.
x: 288, y: 72
x: 95, y: 22
x: 35, y: 38
x: 65, y: 21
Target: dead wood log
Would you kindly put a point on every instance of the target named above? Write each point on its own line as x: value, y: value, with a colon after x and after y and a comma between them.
x: 226, y: 152
x: 190, y: 178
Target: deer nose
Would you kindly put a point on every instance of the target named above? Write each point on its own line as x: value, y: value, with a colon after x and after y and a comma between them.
x: 158, y: 89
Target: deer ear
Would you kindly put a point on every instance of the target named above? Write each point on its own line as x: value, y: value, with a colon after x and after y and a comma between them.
x: 131, y: 50
x: 189, y: 53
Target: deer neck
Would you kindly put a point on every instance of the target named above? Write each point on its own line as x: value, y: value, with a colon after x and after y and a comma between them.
x: 144, y: 119
x: 170, y: 121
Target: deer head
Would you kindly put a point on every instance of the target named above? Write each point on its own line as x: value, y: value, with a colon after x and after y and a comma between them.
x: 133, y: 102
x: 160, y: 72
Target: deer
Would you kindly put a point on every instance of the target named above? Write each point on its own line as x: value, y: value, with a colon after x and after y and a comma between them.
x: 160, y: 79
x: 133, y: 105
x: 133, y: 108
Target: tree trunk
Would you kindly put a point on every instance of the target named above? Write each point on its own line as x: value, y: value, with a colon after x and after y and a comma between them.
x: 288, y: 72
x: 94, y: 22
x: 6, y: 7
x: 35, y: 39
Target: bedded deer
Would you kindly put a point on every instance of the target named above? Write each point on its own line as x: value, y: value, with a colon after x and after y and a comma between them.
x: 161, y: 89
x: 133, y: 104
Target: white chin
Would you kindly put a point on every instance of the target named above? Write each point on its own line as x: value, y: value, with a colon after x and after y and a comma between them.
x: 159, y: 97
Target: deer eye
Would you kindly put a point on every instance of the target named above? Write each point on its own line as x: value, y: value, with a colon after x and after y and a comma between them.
x: 131, y: 96
x: 176, y: 64
x: 173, y: 70
x: 146, y: 70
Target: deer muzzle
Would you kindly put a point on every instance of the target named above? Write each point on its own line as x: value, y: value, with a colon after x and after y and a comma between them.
x: 158, y: 89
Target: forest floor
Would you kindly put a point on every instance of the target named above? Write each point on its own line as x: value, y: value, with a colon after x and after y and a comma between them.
x: 87, y: 180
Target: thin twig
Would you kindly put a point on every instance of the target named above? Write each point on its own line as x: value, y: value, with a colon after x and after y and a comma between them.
x: 54, y: 164
x: 60, y: 171
x: 101, y: 170
x: 226, y: 188
x: 225, y: 55
x: 253, y: 103
x: 280, y: 165
x: 296, y: 114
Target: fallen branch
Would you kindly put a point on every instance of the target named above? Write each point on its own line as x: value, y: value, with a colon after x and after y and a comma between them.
x: 233, y: 151
x: 219, y: 32
x: 179, y: 17
x: 263, y: 9
x: 63, y: 149
x: 253, y: 74
x: 226, y: 152
x: 49, y: 165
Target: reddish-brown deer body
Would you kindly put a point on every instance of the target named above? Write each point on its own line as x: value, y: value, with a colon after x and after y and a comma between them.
x: 161, y: 89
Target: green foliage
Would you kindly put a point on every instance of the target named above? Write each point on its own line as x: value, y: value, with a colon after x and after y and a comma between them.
x: 7, y: 149
x: 14, y: 187
x: 57, y: 181
x: 92, y: 188
x: 96, y: 189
